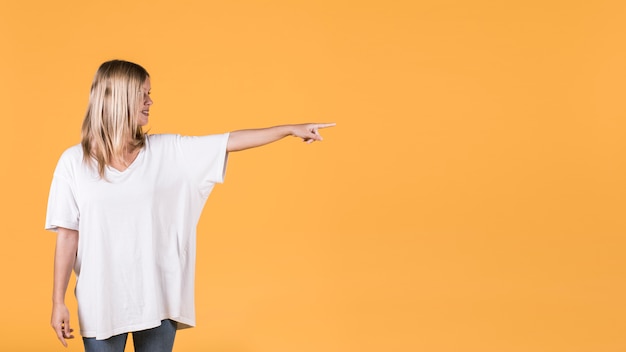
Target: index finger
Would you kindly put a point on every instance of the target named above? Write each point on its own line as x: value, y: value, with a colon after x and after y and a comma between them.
x: 59, y: 331
x: 324, y: 125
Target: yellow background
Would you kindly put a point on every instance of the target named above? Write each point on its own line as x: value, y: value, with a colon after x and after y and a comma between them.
x: 471, y: 197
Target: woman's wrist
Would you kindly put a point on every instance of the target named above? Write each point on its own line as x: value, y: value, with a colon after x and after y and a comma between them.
x: 290, y: 130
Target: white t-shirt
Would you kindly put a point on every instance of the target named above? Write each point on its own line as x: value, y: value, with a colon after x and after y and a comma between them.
x: 137, y: 231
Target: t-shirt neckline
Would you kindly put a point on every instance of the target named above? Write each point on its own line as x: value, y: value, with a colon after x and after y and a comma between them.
x: 131, y: 166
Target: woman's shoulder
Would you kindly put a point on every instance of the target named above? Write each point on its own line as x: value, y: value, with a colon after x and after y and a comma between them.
x: 70, y: 160
x: 183, y: 141
x: 161, y: 137
x: 161, y: 140
x: 73, y: 153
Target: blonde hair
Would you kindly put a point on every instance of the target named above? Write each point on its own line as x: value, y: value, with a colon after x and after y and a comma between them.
x: 111, y: 119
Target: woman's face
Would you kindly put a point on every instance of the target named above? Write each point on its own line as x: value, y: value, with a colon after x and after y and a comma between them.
x: 144, y: 108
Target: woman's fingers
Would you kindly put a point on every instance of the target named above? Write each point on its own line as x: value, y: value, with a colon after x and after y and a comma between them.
x: 58, y: 328
x: 325, y: 125
x: 67, y: 332
x: 61, y: 325
x: 309, y: 132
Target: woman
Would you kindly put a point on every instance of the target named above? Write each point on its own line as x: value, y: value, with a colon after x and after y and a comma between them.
x: 125, y: 206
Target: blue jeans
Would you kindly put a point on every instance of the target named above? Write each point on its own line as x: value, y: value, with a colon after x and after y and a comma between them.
x: 159, y: 339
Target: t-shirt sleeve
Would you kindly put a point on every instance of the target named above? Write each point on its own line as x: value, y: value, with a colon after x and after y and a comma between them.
x: 205, y: 158
x: 62, y: 205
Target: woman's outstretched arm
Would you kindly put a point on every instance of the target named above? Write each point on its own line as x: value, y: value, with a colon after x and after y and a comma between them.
x: 246, y: 139
x: 64, y: 258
